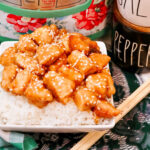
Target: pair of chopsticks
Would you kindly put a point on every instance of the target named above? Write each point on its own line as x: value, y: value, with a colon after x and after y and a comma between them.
x: 92, y: 137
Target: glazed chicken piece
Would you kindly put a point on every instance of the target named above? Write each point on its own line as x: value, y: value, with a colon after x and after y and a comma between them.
x: 62, y: 32
x: 101, y: 60
x: 62, y: 60
x: 77, y: 43
x: 111, y: 89
x: 60, y: 86
x: 8, y: 75
x: 7, y: 58
x: 20, y: 83
x: 97, y: 83
x: 82, y: 43
x: 84, y: 99
x: 37, y: 94
x: 81, y: 62
x: 100, y: 84
x: 27, y: 53
x: 47, y: 54
x: 105, y: 109
x: 45, y: 34
x: 72, y: 74
x: 26, y: 43
x: 65, y: 43
x: 58, y: 38
x: 92, y: 44
x: 29, y: 63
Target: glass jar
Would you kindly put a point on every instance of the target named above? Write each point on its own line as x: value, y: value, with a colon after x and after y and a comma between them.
x: 131, y: 44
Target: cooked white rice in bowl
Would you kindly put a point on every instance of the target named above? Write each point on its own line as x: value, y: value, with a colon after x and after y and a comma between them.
x: 15, y: 110
x: 17, y: 114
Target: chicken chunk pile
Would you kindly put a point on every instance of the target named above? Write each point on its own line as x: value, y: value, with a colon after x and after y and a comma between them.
x: 52, y: 64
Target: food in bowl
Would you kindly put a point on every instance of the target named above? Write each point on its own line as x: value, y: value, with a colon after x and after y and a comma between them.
x: 53, y: 77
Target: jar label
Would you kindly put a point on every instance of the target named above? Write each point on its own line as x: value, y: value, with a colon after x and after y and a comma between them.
x: 135, y: 11
x: 131, y: 48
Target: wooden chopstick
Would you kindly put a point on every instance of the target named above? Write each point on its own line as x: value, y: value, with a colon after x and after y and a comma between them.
x: 92, y: 137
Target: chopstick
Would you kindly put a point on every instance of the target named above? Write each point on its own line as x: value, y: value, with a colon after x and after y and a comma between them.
x: 92, y: 137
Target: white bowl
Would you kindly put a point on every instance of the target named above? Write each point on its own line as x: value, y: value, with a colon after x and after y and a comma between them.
x: 63, y: 129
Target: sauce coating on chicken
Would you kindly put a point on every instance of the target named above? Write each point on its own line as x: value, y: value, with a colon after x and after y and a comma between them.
x: 52, y: 64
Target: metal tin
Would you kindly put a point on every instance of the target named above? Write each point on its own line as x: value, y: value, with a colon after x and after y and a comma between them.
x: 90, y: 18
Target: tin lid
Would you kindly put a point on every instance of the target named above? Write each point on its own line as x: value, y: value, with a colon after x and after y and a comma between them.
x: 125, y: 22
x: 44, y: 14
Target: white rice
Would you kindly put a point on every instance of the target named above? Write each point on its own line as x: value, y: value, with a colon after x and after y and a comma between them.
x: 15, y: 110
